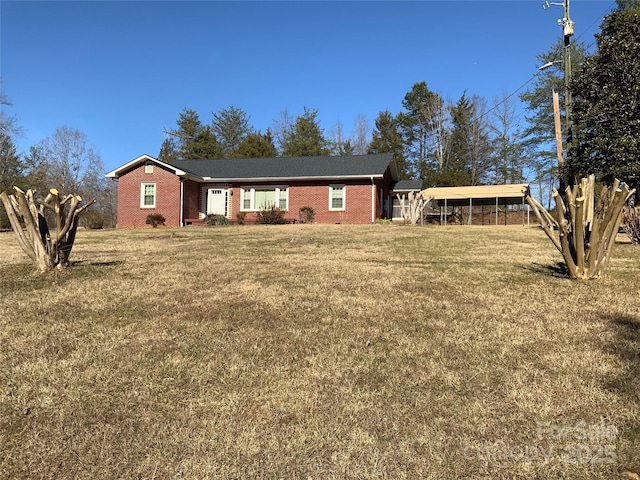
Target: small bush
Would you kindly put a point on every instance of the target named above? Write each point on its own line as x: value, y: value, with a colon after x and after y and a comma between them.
x: 94, y: 220
x: 270, y: 216
x: 240, y: 216
x: 155, y: 219
x: 306, y: 214
x: 216, y: 219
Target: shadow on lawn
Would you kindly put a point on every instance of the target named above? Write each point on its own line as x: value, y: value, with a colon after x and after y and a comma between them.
x: 87, y: 263
x: 23, y: 277
x: 626, y: 347
x: 558, y: 270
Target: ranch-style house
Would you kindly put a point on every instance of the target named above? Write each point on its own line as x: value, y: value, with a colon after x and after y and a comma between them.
x: 355, y: 189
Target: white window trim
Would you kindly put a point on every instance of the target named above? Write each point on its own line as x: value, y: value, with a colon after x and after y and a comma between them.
x: 252, y: 191
x: 155, y: 194
x: 393, y: 208
x: 344, y: 198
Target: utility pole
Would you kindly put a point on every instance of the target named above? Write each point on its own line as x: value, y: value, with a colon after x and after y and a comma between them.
x: 567, y: 30
x: 558, y: 127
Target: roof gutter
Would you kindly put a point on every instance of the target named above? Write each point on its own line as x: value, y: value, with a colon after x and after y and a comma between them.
x: 288, y: 179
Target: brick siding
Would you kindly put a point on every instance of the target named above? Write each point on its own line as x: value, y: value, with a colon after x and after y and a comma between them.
x: 130, y: 214
x: 314, y: 194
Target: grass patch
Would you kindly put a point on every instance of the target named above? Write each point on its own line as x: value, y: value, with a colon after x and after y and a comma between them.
x: 317, y: 351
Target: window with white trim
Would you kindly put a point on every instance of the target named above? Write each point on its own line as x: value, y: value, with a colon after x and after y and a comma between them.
x: 396, y: 209
x: 258, y: 198
x: 147, y: 195
x: 337, y: 197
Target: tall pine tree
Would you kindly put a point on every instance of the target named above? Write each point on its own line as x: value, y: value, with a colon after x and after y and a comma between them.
x: 191, y: 140
x: 230, y: 126
x: 387, y: 138
x: 256, y: 145
x: 305, y: 137
x: 424, y: 125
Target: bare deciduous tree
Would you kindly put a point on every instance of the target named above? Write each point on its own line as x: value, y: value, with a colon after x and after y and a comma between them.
x: 282, y: 127
x: 508, y: 165
x: 360, y: 137
x: 65, y: 161
x: 69, y: 158
x: 337, y: 138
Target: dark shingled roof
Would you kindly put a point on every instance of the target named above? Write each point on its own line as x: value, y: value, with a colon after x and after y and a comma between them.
x: 407, y: 185
x: 288, y: 167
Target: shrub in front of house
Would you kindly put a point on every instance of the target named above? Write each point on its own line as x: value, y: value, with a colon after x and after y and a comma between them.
x: 306, y: 214
x: 155, y: 219
x: 270, y: 216
x: 216, y: 219
x: 94, y: 220
x: 240, y: 217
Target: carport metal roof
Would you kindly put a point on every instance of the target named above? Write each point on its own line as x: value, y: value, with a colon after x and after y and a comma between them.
x: 513, y: 194
x: 480, y: 195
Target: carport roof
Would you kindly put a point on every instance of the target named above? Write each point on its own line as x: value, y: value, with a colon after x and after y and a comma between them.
x: 478, y: 195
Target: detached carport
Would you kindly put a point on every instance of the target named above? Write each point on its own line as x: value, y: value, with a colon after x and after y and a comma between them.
x: 480, y: 196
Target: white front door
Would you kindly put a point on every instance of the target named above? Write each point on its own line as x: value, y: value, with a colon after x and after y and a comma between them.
x: 217, y: 200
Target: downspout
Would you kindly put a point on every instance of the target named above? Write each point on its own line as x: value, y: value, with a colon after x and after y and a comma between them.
x: 116, y: 222
x: 181, y: 202
x: 373, y: 201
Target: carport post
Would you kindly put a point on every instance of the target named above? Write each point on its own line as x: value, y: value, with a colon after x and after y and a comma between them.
x: 470, y: 209
x: 505, y: 211
x: 497, y: 210
x: 445, y: 212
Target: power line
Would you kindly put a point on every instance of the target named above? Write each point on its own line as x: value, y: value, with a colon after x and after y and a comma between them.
x: 608, y: 10
x: 505, y: 99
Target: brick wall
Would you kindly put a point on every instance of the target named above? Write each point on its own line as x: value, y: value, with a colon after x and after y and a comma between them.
x: 191, y: 199
x: 130, y: 214
x: 314, y: 194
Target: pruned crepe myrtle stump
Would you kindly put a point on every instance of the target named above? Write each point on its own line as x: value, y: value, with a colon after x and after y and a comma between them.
x: 48, y: 248
x: 412, y: 206
x: 585, y: 233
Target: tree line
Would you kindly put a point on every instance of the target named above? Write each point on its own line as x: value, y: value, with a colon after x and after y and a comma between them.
x: 63, y: 160
x: 436, y: 140
x: 433, y: 139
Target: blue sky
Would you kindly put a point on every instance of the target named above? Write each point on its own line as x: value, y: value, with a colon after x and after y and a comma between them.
x: 121, y: 71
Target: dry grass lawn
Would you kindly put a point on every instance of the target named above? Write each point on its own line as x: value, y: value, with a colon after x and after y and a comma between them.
x: 322, y: 352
